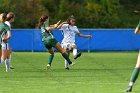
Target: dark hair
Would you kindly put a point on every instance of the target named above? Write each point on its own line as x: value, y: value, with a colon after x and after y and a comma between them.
x: 10, y: 15
x: 3, y: 16
x: 70, y: 18
x: 42, y: 20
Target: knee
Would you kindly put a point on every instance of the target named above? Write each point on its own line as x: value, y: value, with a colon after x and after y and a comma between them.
x: 52, y: 53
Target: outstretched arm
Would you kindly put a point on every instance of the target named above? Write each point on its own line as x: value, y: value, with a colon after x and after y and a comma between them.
x: 60, y: 25
x: 83, y: 35
x: 51, y: 27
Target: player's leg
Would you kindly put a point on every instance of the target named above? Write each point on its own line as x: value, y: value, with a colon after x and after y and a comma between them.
x: 5, y: 56
x: 51, y: 51
x: 63, y: 52
x: 66, y: 62
x: 134, y: 75
x: 65, y: 47
x: 75, y: 51
x: 10, y: 56
x: 0, y: 54
x: 8, y: 59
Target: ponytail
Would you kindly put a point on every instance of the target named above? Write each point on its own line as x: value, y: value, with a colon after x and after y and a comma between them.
x: 42, y: 20
x: 10, y: 15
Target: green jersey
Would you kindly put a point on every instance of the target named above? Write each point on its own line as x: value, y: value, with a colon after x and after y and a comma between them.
x: 3, y: 29
x: 48, y: 38
x: 45, y: 33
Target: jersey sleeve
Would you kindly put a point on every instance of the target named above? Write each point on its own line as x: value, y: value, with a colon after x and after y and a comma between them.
x: 76, y: 30
x: 46, y: 25
x: 7, y: 23
x: 64, y: 26
x: 7, y: 28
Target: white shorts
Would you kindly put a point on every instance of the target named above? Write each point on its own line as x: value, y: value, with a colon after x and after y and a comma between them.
x: 67, y: 46
x: 4, y: 46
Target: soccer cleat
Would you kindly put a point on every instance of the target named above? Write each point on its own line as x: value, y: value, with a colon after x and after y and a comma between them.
x: 8, y: 70
x: 78, y: 55
x: 67, y: 68
x: 48, y: 66
x: 129, y: 89
x: 11, y: 68
x: 72, y: 63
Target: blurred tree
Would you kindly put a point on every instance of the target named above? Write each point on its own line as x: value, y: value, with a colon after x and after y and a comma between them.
x: 89, y: 13
x: 4, y: 5
x: 27, y: 11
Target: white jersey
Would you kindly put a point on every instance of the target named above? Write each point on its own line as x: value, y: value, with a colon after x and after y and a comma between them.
x: 69, y: 33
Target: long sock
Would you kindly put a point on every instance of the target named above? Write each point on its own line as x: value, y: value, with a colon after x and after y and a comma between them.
x: 74, y: 52
x: 10, y: 59
x: 66, y: 64
x: 50, y: 59
x: 66, y: 57
x: 7, y: 64
x: 134, y: 76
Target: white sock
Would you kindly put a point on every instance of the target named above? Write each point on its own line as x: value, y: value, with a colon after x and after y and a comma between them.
x: 131, y: 83
x: 10, y: 60
x: 7, y: 64
x: 74, y: 52
x: 66, y: 64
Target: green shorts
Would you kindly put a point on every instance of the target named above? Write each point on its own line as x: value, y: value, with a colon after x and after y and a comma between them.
x: 0, y: 46
x: 50, y: 42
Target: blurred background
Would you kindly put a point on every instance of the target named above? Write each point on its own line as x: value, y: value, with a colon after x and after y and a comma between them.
x: 111, y: 22
x: 89, y: 13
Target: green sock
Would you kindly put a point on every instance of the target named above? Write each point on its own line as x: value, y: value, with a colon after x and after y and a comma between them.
x: 50, y: 59
x: 135, y: 74
x: 66, y: 57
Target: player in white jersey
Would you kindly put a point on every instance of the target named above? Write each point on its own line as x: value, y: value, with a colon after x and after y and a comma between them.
x: 6, y: 50
x: 69, y: 31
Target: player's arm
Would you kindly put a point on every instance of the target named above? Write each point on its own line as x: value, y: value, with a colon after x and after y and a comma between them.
x: 60, y: 25
x: 51, y: 27
x: 5, y: 39
x: 137, y: 30
x: 83, y: 35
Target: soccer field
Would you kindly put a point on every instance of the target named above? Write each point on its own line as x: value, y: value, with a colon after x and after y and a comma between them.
x: 97, y: 72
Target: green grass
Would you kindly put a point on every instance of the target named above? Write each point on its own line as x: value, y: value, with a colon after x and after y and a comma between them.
x: 99, y: 72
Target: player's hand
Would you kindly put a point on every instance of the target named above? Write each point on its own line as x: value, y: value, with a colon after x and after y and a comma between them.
x: 55, y: 25
x: 89, y: 36
x: 64, y: 22
x: 58, y: 22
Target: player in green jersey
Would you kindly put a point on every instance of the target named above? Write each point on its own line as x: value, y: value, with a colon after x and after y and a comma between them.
x: 3, y: 29
x: 6, y: 49
x: 136, y: 70
x: 49, y: 40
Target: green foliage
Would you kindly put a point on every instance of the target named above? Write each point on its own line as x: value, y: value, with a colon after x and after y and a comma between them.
x: 89, y: 13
